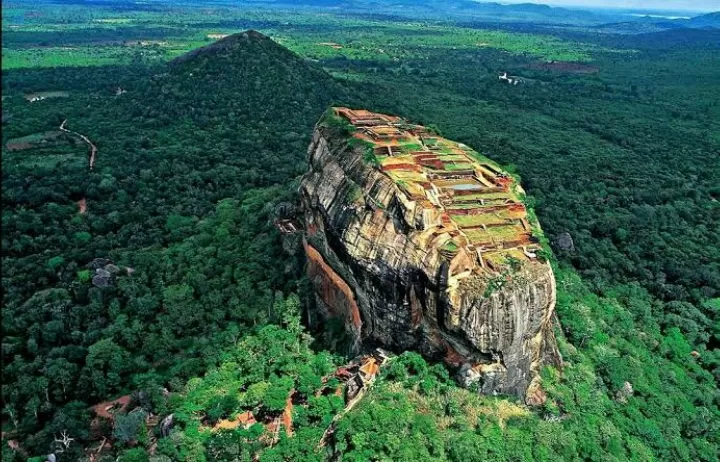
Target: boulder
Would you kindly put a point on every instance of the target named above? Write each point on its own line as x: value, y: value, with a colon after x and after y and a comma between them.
x: 102, y: 278
x: 564, y: 241
x: 106, y: 272
x: 622, y: 395
x: 99, y: 263
x: 167, y: 425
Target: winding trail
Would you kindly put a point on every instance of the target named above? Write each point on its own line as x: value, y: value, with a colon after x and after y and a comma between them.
x: 93, y: 148
x: 82, y: 203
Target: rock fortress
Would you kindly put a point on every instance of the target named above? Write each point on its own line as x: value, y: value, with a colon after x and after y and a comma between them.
x: 421, y: 243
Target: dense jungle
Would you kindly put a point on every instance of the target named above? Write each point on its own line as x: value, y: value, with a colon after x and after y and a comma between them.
x: 148, y: 150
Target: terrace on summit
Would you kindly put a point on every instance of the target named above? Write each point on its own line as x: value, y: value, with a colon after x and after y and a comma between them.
x: 361, y: 117
x: 467, y: 201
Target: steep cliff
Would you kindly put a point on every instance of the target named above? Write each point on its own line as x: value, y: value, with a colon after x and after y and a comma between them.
x: 420, y: 243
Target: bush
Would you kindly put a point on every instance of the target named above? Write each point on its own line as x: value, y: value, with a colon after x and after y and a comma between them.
x: 54, y: 262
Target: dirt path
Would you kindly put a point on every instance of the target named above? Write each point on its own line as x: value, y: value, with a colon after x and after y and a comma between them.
x: 93, y: 148
x: 348, y: 407
x: 367, y: 385
x: 82, y: 203
x: 287, y: 415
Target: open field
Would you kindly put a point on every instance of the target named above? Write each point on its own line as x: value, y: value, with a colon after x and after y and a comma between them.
x: 46, y: 37
x: 45, y: 157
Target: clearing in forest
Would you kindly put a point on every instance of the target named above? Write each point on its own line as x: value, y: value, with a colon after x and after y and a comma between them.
x: 35, y: 140
x: 41, y: 95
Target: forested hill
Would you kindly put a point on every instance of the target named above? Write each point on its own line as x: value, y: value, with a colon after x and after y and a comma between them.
x: 189, y: 271
x: 239, y: 73
x: 246, y: 84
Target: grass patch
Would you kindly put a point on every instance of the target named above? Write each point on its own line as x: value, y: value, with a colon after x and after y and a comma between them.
x: 450, y: 246
x: 478, y: 220
x: 451, y: 166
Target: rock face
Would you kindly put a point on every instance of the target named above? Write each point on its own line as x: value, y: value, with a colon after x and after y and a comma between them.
x: 419, y: 243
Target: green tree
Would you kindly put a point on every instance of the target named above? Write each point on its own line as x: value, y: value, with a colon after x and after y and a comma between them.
x: 105, y: 367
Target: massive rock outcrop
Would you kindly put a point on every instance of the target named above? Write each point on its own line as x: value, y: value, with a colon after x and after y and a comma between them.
x: 420, y: 243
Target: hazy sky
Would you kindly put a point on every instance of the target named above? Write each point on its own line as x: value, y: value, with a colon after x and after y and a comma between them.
x: 693, y: 5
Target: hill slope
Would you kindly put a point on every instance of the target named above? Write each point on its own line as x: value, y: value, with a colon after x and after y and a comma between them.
x: 705, y: 20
